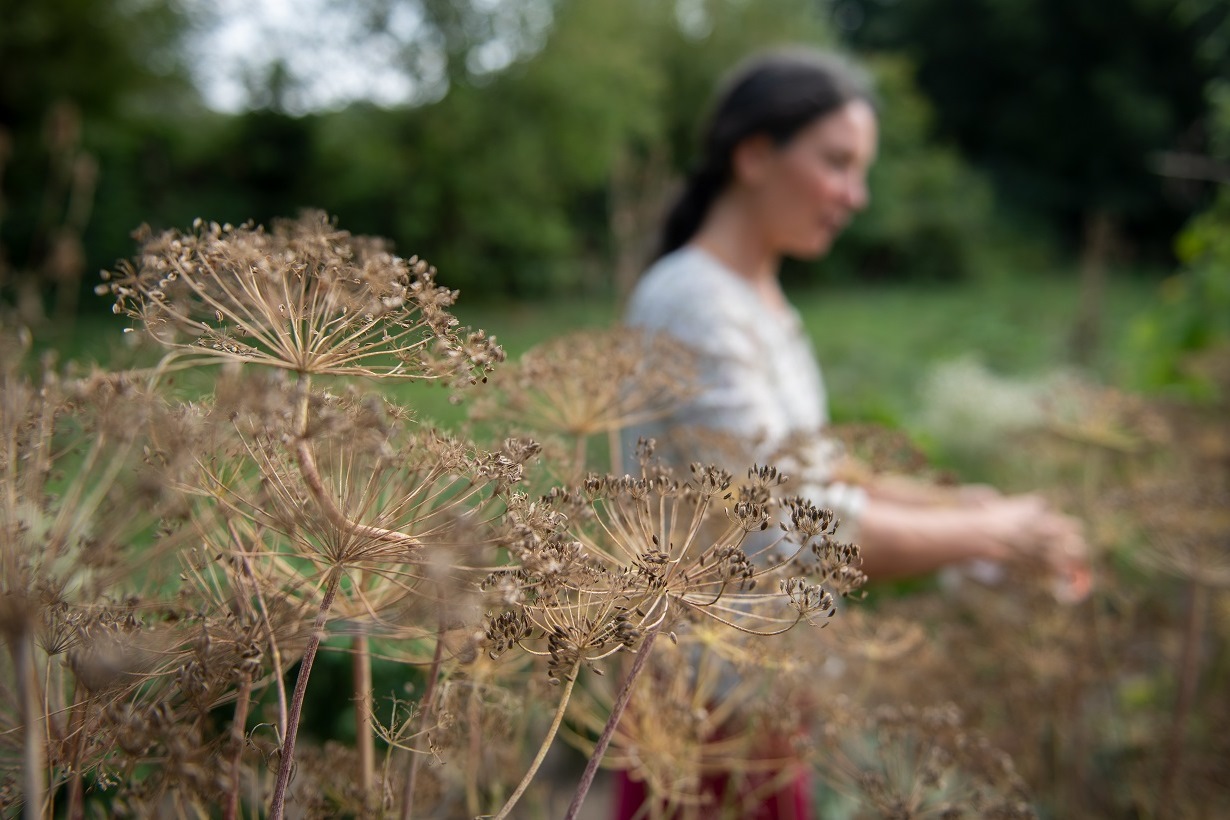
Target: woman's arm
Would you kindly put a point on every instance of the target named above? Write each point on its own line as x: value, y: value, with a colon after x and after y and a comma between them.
x: 901, y: 489
x: 899, y: 540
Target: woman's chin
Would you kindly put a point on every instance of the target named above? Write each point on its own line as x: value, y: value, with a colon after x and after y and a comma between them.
x: 814, y: 248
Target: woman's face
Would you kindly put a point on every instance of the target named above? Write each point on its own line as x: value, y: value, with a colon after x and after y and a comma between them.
x: 805, y: 191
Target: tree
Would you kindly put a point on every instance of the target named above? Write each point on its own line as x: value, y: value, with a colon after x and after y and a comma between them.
x: 1066, y: 104
x: 72, y: 73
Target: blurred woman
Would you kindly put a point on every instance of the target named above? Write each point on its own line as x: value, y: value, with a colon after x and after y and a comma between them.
x: 782, y: 170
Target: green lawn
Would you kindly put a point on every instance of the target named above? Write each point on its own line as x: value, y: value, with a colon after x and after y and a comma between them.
x: 875, y: 344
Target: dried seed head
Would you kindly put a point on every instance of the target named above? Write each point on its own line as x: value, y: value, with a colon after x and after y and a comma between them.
x: 304, y: 296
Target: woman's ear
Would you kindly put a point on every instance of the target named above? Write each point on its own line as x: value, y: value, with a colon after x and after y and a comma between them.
x: 750, y: 160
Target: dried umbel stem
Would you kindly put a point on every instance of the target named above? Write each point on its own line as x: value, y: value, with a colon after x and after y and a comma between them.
x: 277, y: 804
x: 570, y: 677
x: 384, y: 516
x: 304, y: 296
x: 34, y: 786
x: 426, y: 711
x: 617, y: 711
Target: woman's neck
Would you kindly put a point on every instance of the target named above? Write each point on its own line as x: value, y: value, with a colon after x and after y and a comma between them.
x: 731, y: 238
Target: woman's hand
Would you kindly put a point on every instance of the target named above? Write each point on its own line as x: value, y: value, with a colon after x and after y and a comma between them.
x: 1025, y: 528
x: 974, y: 523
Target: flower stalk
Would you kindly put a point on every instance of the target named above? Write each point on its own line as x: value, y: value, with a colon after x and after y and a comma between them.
x: 617, y: 711
x: 277, y: 805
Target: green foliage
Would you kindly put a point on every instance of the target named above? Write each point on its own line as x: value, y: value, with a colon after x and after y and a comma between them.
x: 1065, y: 103
x: 509, y: 176
x: 65, y: 65
x: 1193, y: 316
x: 504, y: 177
x: 103, y: 56
x: 497, y: 171
x: 930, y: 212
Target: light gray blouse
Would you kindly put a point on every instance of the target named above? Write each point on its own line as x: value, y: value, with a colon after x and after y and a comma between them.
x: 758, y: 375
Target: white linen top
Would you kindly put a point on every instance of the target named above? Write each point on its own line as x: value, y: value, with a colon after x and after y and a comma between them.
x: 758, y: 375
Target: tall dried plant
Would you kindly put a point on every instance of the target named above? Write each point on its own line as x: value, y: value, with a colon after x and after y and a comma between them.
x: 341, y: 508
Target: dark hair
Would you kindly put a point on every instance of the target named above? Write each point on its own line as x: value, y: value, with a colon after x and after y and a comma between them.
x: 775, y: 94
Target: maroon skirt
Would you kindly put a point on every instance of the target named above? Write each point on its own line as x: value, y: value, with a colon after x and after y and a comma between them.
x: 790, y: 802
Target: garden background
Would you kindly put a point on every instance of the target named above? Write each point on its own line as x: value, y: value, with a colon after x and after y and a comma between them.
x: 1050, y: 217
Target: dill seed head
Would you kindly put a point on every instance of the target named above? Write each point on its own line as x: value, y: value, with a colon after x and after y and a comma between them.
x: 304, y: 296
x: 591, y: 382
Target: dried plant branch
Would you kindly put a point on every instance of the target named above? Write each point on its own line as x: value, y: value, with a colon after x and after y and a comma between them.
x: 364, y: 736
x: 1187, y: 679
x: 34, y: 758
x: 286, y: 763
x: 239, y: 739
x: 617, y: 711
x: 426, y: 710
x: 316, y: 486
x: 569, y: 682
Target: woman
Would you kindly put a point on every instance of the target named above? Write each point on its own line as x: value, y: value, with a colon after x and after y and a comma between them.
x: 782, y: 171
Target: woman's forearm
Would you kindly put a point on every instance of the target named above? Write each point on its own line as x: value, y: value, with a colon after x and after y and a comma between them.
x: 899, y: 540
x: 900, y: 489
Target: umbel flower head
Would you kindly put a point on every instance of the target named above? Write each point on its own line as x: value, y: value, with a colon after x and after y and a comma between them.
x: 598, y: 566
x: 591, y: 382
x: 304, y: 296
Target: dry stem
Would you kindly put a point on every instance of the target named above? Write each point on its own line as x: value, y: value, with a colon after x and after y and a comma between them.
x: 238, y: 733
x: 1189, y: 672
x: 429, y: 700
x: 274, y: 653
x: 277, y: 806
x: 617, y: 711
x: 34, y: 758
x: 546, y: 744
x: 316, y: 485
x: 76, y: 731
x: 363, y: 716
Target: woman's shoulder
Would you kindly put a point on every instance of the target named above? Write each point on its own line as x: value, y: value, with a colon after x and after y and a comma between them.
x: 684, y: 283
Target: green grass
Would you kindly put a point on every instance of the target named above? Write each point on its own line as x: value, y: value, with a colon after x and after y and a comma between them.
x: 875, y: 344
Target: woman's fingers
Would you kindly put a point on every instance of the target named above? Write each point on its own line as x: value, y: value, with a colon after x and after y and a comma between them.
x: 1064, y: 549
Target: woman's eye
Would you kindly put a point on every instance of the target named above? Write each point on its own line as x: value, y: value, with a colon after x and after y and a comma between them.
x: 838, y: 162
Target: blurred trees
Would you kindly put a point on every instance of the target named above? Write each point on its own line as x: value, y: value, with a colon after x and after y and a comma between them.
x: 74, y: 76
x: 1066, y: 104
x: 1070, y: 106
x: 1183, y: 345
x: 544, y: 137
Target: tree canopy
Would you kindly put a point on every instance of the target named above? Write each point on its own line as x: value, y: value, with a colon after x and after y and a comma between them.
x: 1066, y: 104
x: 545, y: 136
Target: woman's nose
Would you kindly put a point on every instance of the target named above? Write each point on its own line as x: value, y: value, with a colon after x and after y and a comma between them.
x: 857, y: 195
